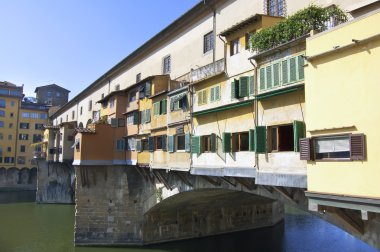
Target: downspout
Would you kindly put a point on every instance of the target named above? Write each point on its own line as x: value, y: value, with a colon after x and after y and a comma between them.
x: 256, y: 108
x: 214, y: 35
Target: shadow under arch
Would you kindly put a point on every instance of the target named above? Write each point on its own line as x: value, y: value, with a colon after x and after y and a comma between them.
x: 206, y: 212
x: 80, y: 125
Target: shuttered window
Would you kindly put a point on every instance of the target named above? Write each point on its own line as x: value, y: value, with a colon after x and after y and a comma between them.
x: 251, y: 140
x: 202, y: 97
x: 151, y: 144
x: 260, y: 139
x: 305, y: 148
x: 262, y: 79
x: 251, y: 86
x: 215, y: 93
x: 284, y: 71
x: 226, y: 142
x: 292, y: 70
x: 163, y: 106
x: 243, y: 86
x: 196, y: 145
x: 156, y: 108
x: 212, y: 142
x: 170, y: 144
x: 234, y: 89
x: 276, y: 74
x: 299, y: 132
x: 268, y: 76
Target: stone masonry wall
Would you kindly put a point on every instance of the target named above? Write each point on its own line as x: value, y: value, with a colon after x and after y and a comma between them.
x: 24, y: 179
x: 55, y: 182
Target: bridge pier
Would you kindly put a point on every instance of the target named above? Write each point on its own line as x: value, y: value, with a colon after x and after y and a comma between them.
x: 55, y: 182
x: 121, y: 205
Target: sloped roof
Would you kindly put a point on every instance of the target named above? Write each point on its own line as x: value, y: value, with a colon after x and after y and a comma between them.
x: 53, y: 86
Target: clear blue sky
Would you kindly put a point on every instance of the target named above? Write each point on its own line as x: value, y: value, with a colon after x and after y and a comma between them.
x: 73, y: 42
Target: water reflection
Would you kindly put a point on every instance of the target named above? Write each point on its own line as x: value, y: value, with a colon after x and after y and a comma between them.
x: 32, y: 227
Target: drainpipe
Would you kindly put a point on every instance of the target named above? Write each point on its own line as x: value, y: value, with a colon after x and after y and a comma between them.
x: 256, y: 108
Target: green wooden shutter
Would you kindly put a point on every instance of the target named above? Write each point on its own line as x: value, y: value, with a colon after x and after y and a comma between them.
x: 135, y: 117
x: 269, y: 79
x: 171, y: 144
x: 164, y: 104
x: 233, y: 90
x: 226, y: 142
x: 196, y: 145
x: 301, y: 63
x: 243, y: 86
x: 204, y: 100
x: 151, y: 143
x: 212, y: 94
x: 217, y: 93
x: 172, y: 103
x: 298, y: 133
x: 187, y: 142
x: 138, y: 145
x: 213, y: 142
x: 156, y: 108
x: 251, y: 85
x: 260, y: 139
x: 292, y: 70
x: 142, y: 116
x: 276, y: 74
x: 262, y: 78
x: 284, y: 70
x: 251, y: 140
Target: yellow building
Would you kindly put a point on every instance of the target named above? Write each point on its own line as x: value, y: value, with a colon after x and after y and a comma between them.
x: 21, y: 128
x: 342, y: 147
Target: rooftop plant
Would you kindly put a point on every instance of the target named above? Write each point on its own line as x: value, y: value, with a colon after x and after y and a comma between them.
x: 300, y: 23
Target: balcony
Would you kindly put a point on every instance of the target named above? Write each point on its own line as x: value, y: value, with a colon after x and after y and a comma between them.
x: 207, y: 71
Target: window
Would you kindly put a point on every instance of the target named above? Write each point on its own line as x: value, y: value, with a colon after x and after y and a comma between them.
x: 34, y: 115
x: 215, y: 93
x: 202, y: 97
x: 208, y: 42
x: 1, y: 124
x: 234, y: 47
x: 276, y: 7
x: 43, y: 116
x: 138, y: 77
x: 131, y: 144
x: 15, y: 93
x: 72, y: 114
x: 37, y: 138
x: 178, y: 102
x: 25, y: 115
x: 281, y: 73
x: 281, y: 138
x: 89, y: 105
x: 242, y: 87
x: 81, y: 110
x: 120, y: 144
x: 49, y: 94
x: 132, y: 96
x: 10, y: 125
x: 12, y: 115
x: 145, y: 116
x: 10, y: 137
x: 9, y: 160
x: 112, y: 102
x: 180, y: 142
x: 1, y: 136
x: 130, y: 118
x: 22, y: 148
x: 166, y: 65
x: 20, y: 160
x: 2, y: 103
x: 248, y: 38
x: 334, y: 147
x: 117, y: 87
x: 160, y: 107
x: 2, y: 113
x: 206, y: 143
x: 9, y: 149
x: 235, y: 142
x: 39, y: 126
x: 58, y: 94
x: 23, y: 136
x: 158, y: 142
x: 24, y: 125
x: 121, y: 122
x: 144, y: 145
x: 4, y: 91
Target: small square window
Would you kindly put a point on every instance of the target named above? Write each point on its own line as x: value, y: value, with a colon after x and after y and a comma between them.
x: 180, y: 142
x: 58, y: 94
x: 138, y: 77
x: 158, y: 143
x: 234, y: 47
x: 208, y: 42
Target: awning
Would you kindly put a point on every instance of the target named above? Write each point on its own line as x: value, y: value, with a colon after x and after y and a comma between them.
x: 76, y: 143
x: 223, y: 108
x: 279, y: 92
x: 178, y: 97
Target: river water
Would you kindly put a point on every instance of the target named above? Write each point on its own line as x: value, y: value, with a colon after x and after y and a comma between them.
x: 29, y: 227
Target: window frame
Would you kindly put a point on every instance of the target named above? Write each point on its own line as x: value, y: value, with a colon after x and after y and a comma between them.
x: 208, y: 42
x: 232, y: 46
x: 166, y: 64
x: 176, y: 141
x: 213, y: 98
x: 314, y: 154
x: 275, y: 129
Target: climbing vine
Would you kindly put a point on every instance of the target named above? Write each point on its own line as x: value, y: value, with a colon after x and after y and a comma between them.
x: 302, y: 22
